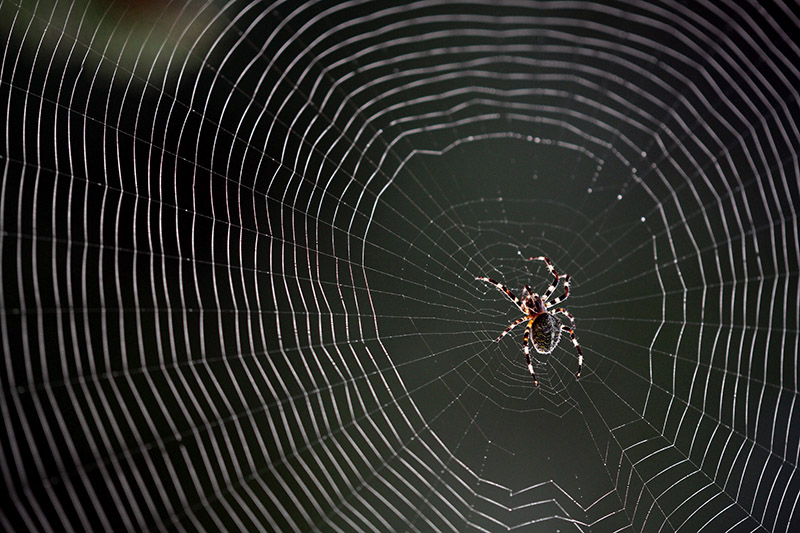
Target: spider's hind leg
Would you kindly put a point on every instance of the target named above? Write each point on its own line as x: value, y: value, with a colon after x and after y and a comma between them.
x: 571, y: 331
x: 526, y: 348
x: 577, y: 347
x: 514, y: 324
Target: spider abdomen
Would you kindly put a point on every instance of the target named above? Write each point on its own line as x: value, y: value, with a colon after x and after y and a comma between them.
x: 545, y: 333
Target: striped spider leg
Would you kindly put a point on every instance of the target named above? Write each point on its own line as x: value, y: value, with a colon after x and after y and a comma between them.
x: 571, y: 331
x: 528, y: 316
x: 554, y: 285
x: 502, y: 288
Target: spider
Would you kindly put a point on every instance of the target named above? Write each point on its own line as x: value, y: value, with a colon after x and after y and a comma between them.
x: 544, y: 327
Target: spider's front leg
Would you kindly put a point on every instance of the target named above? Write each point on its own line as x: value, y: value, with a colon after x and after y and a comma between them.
x: 526, y: 348
x: 556, y: 278
x: 571, y: 331
x: 502, y: 288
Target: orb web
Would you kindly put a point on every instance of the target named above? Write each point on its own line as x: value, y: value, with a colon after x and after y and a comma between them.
x: 240, y: 241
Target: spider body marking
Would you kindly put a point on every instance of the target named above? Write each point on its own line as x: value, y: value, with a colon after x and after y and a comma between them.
x: 545, y: 333
x: 544, y: 327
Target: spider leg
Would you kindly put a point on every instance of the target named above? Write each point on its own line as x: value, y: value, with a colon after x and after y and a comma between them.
x: 556, y: 278
x: 514, y: 324
x: 571, y: 331
x: 505, y: 291
x: 527, y: 350
x: 561, y: 298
